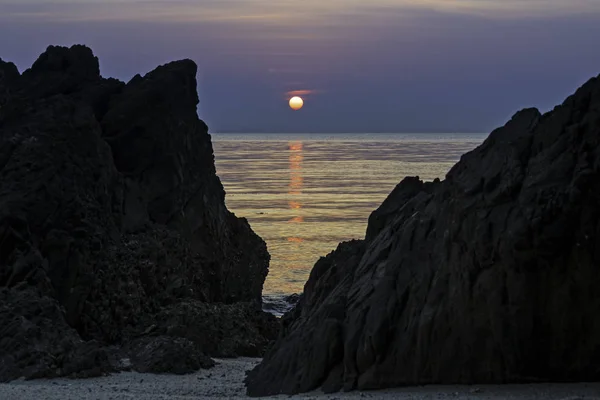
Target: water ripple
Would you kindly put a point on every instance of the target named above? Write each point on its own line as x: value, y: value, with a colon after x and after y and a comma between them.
x: 304, y: 194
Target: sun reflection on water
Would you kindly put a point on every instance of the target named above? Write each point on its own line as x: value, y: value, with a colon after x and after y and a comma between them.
x: 296, y: 179
x: 294, y: 205
x: 295, y: 186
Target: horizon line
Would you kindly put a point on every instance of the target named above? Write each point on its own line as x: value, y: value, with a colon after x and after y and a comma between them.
x: 346, y: 133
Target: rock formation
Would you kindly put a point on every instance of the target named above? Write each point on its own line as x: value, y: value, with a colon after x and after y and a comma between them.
x: 112, y: 217
x: 489, y: 276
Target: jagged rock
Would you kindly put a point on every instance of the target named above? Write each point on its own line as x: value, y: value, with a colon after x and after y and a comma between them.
x: 292, y: 299
x: 486, y: 277
x: 219, y: 330
x: 402, y: 194
x: 36, y: 341
x: 110, y: 209
x: 9, y: 73
x: 9, y: 77
x: 165, y: 354
x: 62, y: 70
x: 317, y: 321
x: 166, y: 158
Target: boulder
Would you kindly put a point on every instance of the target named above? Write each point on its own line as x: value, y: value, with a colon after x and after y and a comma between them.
x: 165, y: 354
x: 218, y: 330
x: 36, y: 341
x: 488, y: 276
x: 110, y: 212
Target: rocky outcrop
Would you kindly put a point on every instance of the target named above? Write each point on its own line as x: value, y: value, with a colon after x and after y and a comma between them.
x: 9, y: 75
x: 167, y: 354
x: 110, y: 213
x: 36, y: 341
x: 170, y: 179
x: 488, y: 276
x: 228, y: 330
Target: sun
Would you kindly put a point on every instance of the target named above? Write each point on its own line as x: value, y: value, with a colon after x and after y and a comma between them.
x: 296, y: 103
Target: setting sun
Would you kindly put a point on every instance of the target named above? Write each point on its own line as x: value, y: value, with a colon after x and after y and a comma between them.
x: 296, y: 103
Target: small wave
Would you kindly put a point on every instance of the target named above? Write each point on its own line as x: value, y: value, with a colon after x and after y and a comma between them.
x: 279, y: 304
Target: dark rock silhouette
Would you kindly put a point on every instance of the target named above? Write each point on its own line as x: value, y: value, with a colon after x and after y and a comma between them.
x: 9, y: 75
x: 110, y: 214
x: 37, y: 342
x: 167, y: 354
x: 231, y: 334
x: 486, y: 277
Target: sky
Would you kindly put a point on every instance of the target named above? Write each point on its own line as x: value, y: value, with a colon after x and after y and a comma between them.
x: 409, y: 66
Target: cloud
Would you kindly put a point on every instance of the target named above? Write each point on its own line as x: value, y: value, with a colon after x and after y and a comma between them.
x: 510, y: 8
x: 304, y: 92
x: 276, y: 13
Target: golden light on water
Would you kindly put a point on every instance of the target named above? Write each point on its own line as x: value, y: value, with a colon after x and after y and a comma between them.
x: 296, y: 178
x: 304, y: 196
x: 296, y: 146
x: 294, y: 205
x: 296, y: 103
x: 296, y: 184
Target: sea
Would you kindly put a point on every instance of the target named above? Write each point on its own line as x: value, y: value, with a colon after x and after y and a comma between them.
x: 305, y: 193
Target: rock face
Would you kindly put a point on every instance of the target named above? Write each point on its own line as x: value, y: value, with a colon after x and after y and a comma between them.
x: 488, y: 276
x: 110, y: 213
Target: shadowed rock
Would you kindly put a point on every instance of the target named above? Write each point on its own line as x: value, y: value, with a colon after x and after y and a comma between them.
x: 165, y: 354
x: 9, y: 77
x: 110, y: 212
x: 221, y: 330
x: 486, y: 277
x: 37, y: 342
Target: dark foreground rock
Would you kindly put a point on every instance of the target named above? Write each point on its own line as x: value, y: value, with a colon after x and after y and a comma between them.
x: 167, y: 354
x: 36, y: 341
x: 489, y: 276
x: 111, y: 213
x: 224, y: 330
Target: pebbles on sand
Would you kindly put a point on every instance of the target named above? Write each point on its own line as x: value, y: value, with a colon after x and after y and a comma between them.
x: 225, y: 381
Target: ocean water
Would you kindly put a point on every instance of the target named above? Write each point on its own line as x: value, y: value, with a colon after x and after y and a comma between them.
x: 303, y: 194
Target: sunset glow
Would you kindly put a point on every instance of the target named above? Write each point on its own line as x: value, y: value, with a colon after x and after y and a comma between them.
x: 359, y: 66
x: 427, y: 227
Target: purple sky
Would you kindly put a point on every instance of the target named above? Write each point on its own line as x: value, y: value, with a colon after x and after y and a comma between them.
x: 371, y: 66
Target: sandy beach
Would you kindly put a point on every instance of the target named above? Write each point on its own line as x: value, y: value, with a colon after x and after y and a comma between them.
x: 225, y: 381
